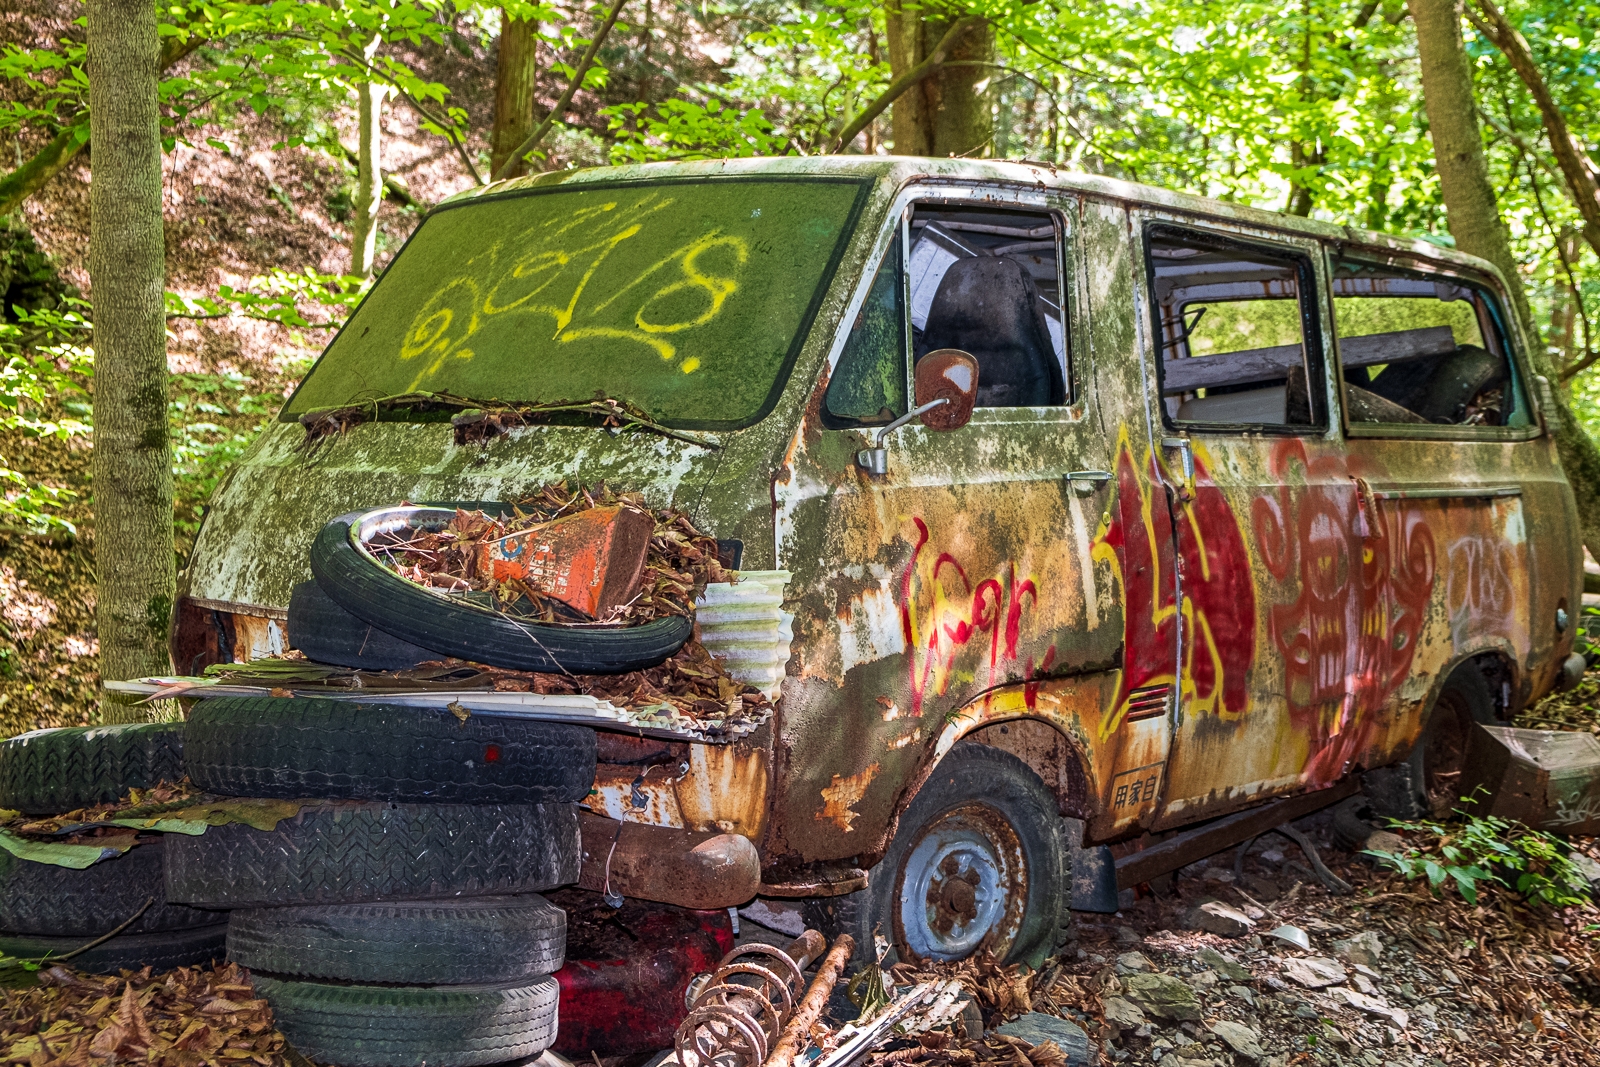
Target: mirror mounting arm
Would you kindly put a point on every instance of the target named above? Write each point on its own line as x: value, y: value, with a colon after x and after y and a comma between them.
x: 875, y: 460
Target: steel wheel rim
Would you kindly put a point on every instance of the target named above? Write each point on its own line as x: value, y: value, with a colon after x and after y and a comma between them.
x: 962, y: 886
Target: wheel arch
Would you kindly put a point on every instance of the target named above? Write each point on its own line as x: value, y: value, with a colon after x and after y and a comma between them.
x: 1059, y: 752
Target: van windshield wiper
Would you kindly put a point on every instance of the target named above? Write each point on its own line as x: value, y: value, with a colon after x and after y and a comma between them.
x: 482, y: 420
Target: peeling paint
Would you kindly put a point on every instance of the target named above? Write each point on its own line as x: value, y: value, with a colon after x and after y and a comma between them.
x: 839, y: 799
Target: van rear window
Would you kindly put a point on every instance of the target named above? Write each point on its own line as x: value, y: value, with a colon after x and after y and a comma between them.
x: 689, y: 300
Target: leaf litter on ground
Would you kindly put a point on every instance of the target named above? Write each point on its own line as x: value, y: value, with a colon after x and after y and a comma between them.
x: 188, y: 1017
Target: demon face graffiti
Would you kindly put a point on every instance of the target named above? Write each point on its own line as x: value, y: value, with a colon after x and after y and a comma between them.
x: 1362, y: 575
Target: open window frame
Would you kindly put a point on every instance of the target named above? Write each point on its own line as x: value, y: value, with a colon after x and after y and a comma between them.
x: 1290, y: 248
x: 1494, y: 325
x: 976, y: 196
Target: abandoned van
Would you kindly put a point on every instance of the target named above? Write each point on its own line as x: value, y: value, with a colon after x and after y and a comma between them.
x: 1095, y: 511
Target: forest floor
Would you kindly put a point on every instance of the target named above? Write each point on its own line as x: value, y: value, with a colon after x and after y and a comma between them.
x: 1394, y: 977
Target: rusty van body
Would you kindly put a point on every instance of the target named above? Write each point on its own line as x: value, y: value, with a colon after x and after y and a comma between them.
x: 1238, y: 494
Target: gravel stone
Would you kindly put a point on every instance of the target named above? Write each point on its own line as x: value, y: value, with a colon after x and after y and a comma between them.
x: 1215, y: 917
x: 1242, y: 1039
x: 1314, y: 972
x: 1163, y: 996
x: 1224, y: 966
x: 1364, y: 948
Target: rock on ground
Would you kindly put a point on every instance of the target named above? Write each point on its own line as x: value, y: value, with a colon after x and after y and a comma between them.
x: 1163, y: 996
x: 1036, y: 1028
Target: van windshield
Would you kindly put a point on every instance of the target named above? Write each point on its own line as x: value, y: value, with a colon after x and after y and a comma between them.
x: 688, y: 299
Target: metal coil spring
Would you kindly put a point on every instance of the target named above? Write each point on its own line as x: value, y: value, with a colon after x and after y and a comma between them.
x: 737, y: 1012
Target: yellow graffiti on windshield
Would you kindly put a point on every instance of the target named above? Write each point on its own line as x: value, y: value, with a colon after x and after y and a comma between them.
x: 554, y: 281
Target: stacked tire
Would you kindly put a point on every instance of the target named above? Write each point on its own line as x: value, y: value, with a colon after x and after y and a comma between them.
x: 396, y: 918
x: 50, y: 912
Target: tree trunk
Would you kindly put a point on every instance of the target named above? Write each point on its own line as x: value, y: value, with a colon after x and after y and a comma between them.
x: 369, y: 180
x: 1475, y: 223
x: 948, y: 113
x: 516, y: 81
x: 127, y: 275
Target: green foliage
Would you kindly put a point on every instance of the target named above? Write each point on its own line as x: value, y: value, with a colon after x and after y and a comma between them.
x: 684, y: 129
x: 49, y: 365
x: 1489, y: 851
x: 278, y: 297
x: 214, y: 417
x: 263, y: 56
x: 42, y: 394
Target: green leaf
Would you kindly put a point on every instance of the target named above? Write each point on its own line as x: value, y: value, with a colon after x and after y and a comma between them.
x: 75, y: 857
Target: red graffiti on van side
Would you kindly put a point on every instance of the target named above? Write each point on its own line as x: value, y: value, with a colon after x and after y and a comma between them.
x: 1218, y: 615
x: 1363, y: 574
x: 958, y: 613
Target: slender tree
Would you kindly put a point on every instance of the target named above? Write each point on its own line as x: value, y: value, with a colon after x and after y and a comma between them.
x: 516, y: 80
x: 1474, y: 218
x: 369, y: 170
x: 127, y: 275
x: 946, y: 112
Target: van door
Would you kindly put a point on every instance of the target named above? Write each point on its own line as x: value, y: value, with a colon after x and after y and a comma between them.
x: 1463, y: 492
x: 966, y: 567
x: 1269, y: 573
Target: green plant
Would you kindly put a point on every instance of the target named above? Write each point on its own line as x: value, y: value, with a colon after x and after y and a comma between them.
x: 1488, y: 851
x: 214, y: 417
x: 46, y: 369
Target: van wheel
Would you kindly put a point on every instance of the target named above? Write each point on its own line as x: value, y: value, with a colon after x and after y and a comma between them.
x: 1428, y: 784
x: 977, y: 862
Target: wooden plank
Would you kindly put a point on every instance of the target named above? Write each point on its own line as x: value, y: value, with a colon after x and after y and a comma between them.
x: 1252, y: 365
x: 1264, y: 365
x: 1226, y: 832
x: 1396, y: 347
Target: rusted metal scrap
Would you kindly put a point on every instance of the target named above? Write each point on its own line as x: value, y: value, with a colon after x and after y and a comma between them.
x: 522, y: 576
x: 923, y: 1007
x: 742, y: 1009
x: 628, y: 971
x: 1212, y: 837
x: 591, y: 561
x: 1547, y: 779
x: 667, y: 865
x: 797, y: 1032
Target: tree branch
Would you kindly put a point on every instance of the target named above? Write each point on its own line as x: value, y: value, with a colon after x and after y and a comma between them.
x: 64, y: 147
x: 1573, y: 159
x: 561, y: 105
x: 1590, y: 356
x: 356, y: 58
x: 897, y: 88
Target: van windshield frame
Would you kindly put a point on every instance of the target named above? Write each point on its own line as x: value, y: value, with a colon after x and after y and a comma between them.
x: 727, y: 295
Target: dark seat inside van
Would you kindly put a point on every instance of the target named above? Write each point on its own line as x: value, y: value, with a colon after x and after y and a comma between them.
x: 989, y: 306
x: 1436, y: 389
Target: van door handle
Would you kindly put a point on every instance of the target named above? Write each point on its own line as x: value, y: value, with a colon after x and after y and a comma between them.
x: 1086, y: 482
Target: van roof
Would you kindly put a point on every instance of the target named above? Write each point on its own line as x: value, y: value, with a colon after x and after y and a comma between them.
x: 902, y: 169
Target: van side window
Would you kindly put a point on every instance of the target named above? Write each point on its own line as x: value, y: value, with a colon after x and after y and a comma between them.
x: 868, y: 387
x: 988, y: 282
x: 1422, y: 349
x: 1233, y: 321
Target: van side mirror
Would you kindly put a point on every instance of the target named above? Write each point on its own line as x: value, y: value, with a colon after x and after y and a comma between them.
x: 947, y: 388
x: 951, y: 375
